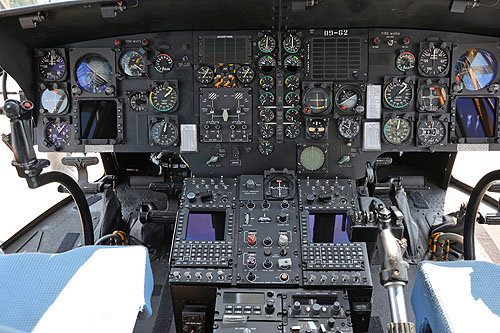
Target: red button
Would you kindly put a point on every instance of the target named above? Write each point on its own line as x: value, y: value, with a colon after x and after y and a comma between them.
x: 376, y: 40
x: 284, y: 277
x: 406, y: 41
x: 27, y: 105
x: 252, y: 240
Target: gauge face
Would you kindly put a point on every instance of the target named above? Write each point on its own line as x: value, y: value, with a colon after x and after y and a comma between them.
x: 432, y: 97
x: 266, y: 147
x: 348, y: 98
x: 398, y: 94
x: 266, y: 98
x: 312, y: 158
x: 292, y: 115
x: 266, y: 131
x: 163, y: 98
x: 93, y: 73
x: 292, y: 63
x: 266, y: 82
x: 279, y: 187
x: 54, y: 100
x: 292, y: 131
x: 164, y: 133
x: 433, y: 61
x: 205, y: 74
x: 267, y: 63
x: 266, y: 44
x: 316, y: 129
x: 52, y: 66
x: 292, y: 44
x: 138, y: 101
x: 292, y: 98
x: 163, y: 63
x: 57, y: 133
x: 266, y: 115
x: 430, y: 132
x: 397, y: 130
x: 245, y: 74
x: 348, y: 128
x: 476, y: 68
x: 405, y: 61
x: 316, y: 100
x: 292, y: 82
x: 132, y: 63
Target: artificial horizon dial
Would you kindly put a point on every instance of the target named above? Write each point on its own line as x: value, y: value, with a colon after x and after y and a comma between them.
x: 398, y: 94
x: 316, y: 100
x: 397, y: 130
x: 348, y: 98
x: 55, y: 101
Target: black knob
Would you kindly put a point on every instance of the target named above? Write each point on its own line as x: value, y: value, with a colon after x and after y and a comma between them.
x: 296, y: 307
x: 310, y: 198
x: 191, y: 196
x: 282, y: 217
x: 270, y: 307
x: 331, y: 322
x: 323, y: 197
x: 336, y: 308
x: 267, y: 264
x: 268, y: 241
x: 206, y: 196
x: 316, y: 308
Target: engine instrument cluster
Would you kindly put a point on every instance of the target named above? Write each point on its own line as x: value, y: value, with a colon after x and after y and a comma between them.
x: 315, y: 101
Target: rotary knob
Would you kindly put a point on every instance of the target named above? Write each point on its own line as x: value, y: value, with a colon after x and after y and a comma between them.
x: 316, y: 308
x: 270, y: 307
x: 191, y: 196
x: 283, y: 240
x: 250, y: 184
x: 310, y: 198
x: 252, y: 240
x: 282, y: 217
x: 336, y: 308
x: 251, y: 262
x: 296, y: 307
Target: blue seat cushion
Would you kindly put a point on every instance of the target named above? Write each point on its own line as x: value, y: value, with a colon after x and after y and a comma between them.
x: 458, y: 296
x: 89, y: 289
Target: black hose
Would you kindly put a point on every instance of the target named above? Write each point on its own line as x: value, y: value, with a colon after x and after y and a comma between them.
x: 4, y: 85
x: 104, y: 239
x: 77, y: 194
x: 471, y: 213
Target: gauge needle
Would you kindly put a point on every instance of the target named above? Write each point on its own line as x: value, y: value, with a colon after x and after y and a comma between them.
x: 403, y: 89
x: 169, y: 91
x: 399, y: 122
x: 267, y: 41
x: 205, y: 74
x: 248, y: 70
x: 165, y: 128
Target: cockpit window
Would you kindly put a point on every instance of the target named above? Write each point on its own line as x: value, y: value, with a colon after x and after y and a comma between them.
x: 11, y: 4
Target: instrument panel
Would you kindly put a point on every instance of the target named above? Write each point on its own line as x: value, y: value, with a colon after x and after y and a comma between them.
x: 320, y: 102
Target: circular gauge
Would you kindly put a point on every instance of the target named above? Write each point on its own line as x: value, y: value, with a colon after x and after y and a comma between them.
x: 163, y: 98
x: 52, y: 66
x: 266, y: 44
x: 348, y: 98
x: 292, y: 98
x: 292, y: 63
x: 292, y: 82
x: 292, y: 44
x: 54, y: 100
x: 266, y: 82
x: 163, y: 63
x: 431, y: 97
x: 397, y: 130
x: 348, y: 128
x: 164, y: 133
x: 398, y: 94
x: 266, y: 115
x: 266, y: 147
x: 279, y: 187
x: 312, y: 158
x: 132, y: 63
x: 316, y: 129
x: 93, y: 73
x: 476, y: 68
x: 267, y: 63
x: 316, y: 100
x: 292, y: 115
x: 292, y: 131
x: 57, y: 133
x: 266, y: 131
x: 433, y: 61
x: 266, y: 98
x: 430, y: 132
x: 245, y: 74
x: 138, y: 101
x: 405, y: 61
x: 205, y: 74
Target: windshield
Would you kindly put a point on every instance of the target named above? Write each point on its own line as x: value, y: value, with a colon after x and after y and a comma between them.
x: 11, y: 4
